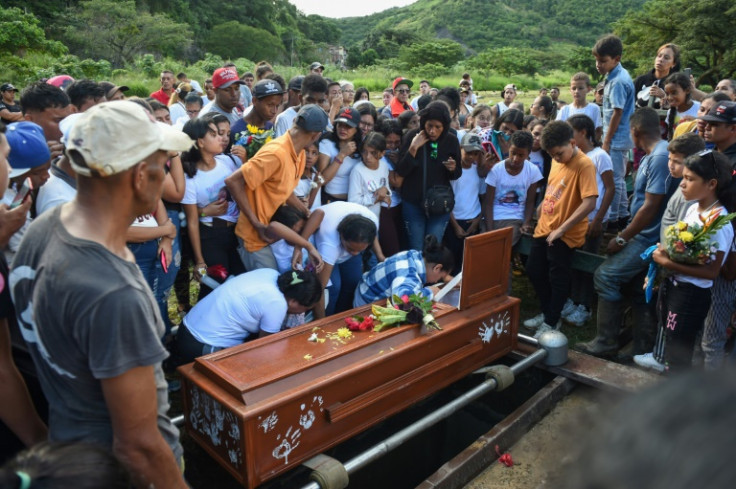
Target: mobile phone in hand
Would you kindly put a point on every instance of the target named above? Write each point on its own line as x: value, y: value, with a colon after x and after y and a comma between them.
x: 23, y: 192
x: 490, y: 148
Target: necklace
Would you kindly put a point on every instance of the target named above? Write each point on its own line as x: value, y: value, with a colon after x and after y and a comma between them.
x: 708, y: 208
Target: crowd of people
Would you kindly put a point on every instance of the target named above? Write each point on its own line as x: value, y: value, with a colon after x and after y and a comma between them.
x: 292, y: 201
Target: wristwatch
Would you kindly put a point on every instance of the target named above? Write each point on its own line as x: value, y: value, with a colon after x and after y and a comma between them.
x: 620, y: 240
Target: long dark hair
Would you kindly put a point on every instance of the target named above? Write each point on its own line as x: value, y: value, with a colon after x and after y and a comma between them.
x: 437, y: 253
x: 357, y: 229
x: 357, y: 139
x: 683, y: 81
x: 581, y: 122
x: 713, y: 165
x: 195, y: 129
x: 435, y: 111
x: 304, y: 287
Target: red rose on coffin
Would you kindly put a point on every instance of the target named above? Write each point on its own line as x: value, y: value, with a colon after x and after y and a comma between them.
x: 358, y: 323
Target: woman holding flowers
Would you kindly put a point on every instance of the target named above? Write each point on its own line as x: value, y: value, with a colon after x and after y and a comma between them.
x: 693, y: 253
x: 406, y: 273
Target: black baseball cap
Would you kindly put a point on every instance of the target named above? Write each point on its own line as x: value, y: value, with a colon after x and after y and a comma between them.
x: 266, y: 88
x: 312, y: 118
x: 5, y: 87
x: 723, y: 112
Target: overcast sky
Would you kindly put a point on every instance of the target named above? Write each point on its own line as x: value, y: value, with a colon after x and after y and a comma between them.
x: 347, y: 8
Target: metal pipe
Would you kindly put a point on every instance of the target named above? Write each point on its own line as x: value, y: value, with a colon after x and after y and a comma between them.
x: 528, y: 339
x: 178, y: 420
x: 395, y: 440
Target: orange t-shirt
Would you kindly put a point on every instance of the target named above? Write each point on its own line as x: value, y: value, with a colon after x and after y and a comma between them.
x: 270, y: 178
x: 567, y: 186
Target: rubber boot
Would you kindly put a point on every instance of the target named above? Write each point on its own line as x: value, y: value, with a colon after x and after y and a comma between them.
x: 605, y: 343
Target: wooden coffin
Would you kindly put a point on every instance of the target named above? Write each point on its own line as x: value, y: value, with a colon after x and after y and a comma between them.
x: 265, y: 406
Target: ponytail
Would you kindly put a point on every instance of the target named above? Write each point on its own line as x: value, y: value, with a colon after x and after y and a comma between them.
x: 435, y: 252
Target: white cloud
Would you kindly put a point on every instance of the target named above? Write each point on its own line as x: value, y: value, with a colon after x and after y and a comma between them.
x: 346, y: 8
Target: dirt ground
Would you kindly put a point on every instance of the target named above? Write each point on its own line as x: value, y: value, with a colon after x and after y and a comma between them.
x: 540, y: 453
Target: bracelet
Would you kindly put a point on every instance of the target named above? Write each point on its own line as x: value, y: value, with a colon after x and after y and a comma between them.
x: 337, y: 160
x: 202, y: 214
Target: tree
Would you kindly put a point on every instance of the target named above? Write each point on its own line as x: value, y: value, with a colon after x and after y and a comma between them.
x: 444, y: 52
x: 20, y: 32
x: 115, y: 30
x: 507, y: 61
x: 235, y: 40
x: 703, y: 30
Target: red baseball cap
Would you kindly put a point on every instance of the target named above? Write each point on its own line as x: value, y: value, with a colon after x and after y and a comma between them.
x: 401, y: 79
x: 224, y: 77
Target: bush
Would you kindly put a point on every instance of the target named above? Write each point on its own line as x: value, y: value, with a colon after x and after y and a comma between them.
x: 138, y: 90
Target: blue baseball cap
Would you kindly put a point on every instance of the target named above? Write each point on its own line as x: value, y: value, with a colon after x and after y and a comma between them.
x: 28, y: 148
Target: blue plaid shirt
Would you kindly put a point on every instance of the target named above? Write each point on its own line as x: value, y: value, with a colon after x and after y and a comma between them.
x: 402, y: 273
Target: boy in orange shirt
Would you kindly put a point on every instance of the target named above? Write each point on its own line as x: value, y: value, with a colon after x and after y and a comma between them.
x: 570, y: 197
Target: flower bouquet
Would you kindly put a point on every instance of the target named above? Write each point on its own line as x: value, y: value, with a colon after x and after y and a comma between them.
x: 254, y: 138
x: 414, y: 309
x: 691, y: 244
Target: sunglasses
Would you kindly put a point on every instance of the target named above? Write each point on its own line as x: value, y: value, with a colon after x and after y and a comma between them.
x: 403, y: 90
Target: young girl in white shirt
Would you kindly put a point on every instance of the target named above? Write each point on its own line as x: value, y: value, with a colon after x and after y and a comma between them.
x: 685, y: 295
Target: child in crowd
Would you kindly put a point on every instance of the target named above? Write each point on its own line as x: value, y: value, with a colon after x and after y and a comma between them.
x: 618, y: 105
x: 539, y: 157
x: 291, y: 218
x: 480, y: 118
x: 579, y: 88
x: 309, y: 188
x: 406, y: 273
x: 685, y: 295
x: 570, y: 197
x: 677, y: 86
x: 369, y: 181
x: 508, y: 94
x: 698, y: 125
x: 511, y: 187
x: 465, y: 216
x: 392, y: 239
x: 577, y: 310
x: 679, y: 149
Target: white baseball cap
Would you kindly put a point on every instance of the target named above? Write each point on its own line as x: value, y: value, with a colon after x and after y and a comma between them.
x: 113, y: 137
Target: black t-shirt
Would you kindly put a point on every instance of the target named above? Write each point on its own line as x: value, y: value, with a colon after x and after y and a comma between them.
x: 10, y: 108
x: 644, y: 83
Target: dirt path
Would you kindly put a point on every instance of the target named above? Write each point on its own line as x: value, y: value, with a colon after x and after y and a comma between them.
x: 538, y: 454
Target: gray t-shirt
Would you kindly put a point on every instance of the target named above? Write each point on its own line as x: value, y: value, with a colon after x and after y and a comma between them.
x: 86, y: 315
x: 676, y: 209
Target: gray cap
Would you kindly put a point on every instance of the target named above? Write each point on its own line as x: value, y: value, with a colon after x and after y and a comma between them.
x: 312, y: 118
x: 471, y: 142
x: 316, y: 65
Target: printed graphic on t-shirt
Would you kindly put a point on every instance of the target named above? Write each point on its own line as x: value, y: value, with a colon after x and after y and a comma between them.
x: 553, y: 195
x: 373, y: 185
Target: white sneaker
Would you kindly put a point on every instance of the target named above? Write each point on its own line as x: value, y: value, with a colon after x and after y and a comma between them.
x: 579, y: 316
x: 568, y: 308
x: 534, y: 322
x: 647, y: 360
x: 546, y: 327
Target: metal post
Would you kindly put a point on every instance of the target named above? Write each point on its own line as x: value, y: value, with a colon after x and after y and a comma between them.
x: 394, y: 441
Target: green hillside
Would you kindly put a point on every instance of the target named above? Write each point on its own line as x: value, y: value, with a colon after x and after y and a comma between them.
x: 483, y: 24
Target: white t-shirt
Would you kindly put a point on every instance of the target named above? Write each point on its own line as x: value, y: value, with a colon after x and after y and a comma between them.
x: 510, y: 196
x: 209, y: 186
x: 304, y: 188
x: 723, y: 239
x: 340, y: 182
x: 591, y: 110
x: 364, y: 182
x: 244, y: 305
x: 395, y: 194
x: 537, y: 160
x: 54, y: 193
x: 177, y: 111
x: 692, y: 112
x: 465, y: 188
x: 602, y: 163
x: 196, y: 86
x: 327, y: 239
x: 284, y: 121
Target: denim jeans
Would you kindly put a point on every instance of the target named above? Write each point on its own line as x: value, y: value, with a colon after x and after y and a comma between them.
x: 620, y: 203
x: 147, y: 259
x: 166, y: 279
x: 345, y: 278
x: 548, y: 268
x: 418, y: 225
x: 619, y: 269
x: 581, y: 288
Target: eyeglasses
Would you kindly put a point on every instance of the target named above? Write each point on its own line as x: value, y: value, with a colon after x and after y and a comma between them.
x: 403, y: 90
x: 366, y: 125
x: 348, y: 90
